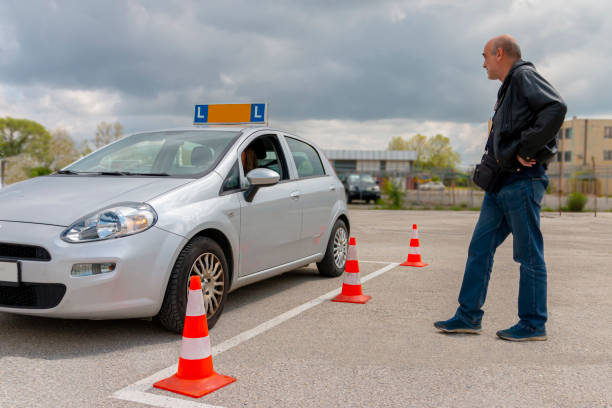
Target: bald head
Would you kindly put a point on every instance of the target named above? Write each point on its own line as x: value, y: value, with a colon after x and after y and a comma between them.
x: 509, y: 46
x: 500, y: 53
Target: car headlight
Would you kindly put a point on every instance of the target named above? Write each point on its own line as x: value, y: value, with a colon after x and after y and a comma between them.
x: 112, y: 222
x: 376, y: 188
x: 353, y: 187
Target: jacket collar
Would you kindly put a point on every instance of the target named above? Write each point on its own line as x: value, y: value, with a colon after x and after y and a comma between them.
x: 504, y: 86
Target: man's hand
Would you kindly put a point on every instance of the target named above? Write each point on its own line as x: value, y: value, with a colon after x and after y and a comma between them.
x: 524, y: 162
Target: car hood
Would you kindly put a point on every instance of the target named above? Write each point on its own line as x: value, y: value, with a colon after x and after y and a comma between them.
x: 61, y: 200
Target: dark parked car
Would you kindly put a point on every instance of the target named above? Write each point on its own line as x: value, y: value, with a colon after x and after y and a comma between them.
x: 361, y: 187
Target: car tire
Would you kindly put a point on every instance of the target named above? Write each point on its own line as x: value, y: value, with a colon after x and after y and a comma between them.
x: 209, y: 256
x: 337, y: 249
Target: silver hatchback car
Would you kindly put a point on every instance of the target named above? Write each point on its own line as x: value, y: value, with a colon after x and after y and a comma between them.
x: 118, y: 233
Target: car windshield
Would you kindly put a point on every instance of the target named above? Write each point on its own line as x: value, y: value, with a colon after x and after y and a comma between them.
x: 367, y: 178
x: 187, y: 153
x: 353, y: 178
x: 364, y: 178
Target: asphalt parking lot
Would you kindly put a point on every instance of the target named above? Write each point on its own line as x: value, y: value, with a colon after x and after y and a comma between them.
x: 289, y: 346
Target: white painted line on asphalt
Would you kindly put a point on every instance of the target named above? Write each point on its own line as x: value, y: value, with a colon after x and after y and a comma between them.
x: 137, y: 392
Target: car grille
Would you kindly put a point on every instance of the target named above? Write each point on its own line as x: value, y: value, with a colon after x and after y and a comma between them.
x: 32, y: 295
x: 24, y: 252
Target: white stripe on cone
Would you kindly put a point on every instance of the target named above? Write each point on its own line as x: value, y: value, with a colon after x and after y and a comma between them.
x: 352, y: 253
x: 414, y: 251
x: 351, y: 278
x: 415, y: 233
x: 195, y: 303
x: 195, y: 349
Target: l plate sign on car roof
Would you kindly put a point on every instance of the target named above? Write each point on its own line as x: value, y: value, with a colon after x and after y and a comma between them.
x: 225, y: 114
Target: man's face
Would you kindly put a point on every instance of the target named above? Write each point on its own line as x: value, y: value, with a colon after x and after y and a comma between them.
x: 491, y: 61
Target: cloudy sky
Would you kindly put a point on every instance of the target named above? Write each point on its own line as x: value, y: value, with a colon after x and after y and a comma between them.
x: 347, y: 74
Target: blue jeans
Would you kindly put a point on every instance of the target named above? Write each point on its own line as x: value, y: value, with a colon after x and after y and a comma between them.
x: 514, y: 209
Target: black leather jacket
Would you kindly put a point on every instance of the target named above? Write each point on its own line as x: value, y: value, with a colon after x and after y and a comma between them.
x: 528, y: 114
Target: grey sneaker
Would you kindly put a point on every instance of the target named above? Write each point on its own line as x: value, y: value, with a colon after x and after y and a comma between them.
x: 456, y: 325
x: 520, y: 332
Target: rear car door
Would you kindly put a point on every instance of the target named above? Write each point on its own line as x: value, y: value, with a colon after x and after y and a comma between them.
x: 270, y: 224
x: 317, y: 196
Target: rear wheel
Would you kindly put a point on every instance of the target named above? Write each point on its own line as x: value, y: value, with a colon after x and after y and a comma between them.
x: 335, y: 256
x: 204, y: 258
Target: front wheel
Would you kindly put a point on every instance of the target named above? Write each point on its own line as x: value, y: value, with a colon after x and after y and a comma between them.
x: 337, y: 248
x: 204, y: 258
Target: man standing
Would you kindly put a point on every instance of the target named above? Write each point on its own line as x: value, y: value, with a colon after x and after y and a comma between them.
x: 528, y: 114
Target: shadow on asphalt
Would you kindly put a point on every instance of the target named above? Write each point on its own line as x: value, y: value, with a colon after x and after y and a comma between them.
x: 271, y: 286
x: 56, y: 339
x: 458, y: 335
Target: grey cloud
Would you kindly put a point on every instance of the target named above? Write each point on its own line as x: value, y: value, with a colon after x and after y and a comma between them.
x: 310, y: 60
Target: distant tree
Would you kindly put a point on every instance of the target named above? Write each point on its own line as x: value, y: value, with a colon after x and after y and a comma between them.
x: 64, y: 150
x: 39, y: 171
x: 107, y: 133
x: 440, y: 153
x: 419, y: 144
x: 61, y: 151
x: 19, y: 136
x: 22, y: 167
x: 432, y: 152
x: 397, y: 143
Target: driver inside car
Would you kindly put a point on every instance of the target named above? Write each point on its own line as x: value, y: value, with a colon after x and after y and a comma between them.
x: 254, y: 152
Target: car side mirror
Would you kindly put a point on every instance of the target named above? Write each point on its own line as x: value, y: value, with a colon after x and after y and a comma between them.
x: 260, y: 178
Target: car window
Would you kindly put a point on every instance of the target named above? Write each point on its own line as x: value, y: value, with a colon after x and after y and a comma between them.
x: 353, y: 178
x: 306, y: 158
x: 265, y: 152
x: 270, y: 162
x: 367, y: 178
x: 176, y: 153
x: 232, y: 181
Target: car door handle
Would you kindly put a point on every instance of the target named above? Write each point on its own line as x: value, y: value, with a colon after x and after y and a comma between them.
x: 295, y: 195
x: 332, y: 188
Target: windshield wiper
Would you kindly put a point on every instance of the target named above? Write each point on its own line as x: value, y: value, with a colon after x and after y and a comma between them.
x: 111, y: 173
x: 147, y: 174
x: 127, y: 173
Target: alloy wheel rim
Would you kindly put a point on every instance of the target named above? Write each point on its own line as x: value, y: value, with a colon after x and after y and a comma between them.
x: 209, y: 269
x: 340, y: 247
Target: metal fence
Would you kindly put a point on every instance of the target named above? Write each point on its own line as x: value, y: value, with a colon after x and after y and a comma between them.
x: 582, y: 180
x: 472, y: 199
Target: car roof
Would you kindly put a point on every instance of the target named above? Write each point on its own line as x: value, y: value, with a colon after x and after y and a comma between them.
x: 244, y: 130
x: 214, y: 128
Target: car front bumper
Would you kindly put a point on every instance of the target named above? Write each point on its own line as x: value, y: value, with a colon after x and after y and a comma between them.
x: 364, y: 195
x: 135, y: 288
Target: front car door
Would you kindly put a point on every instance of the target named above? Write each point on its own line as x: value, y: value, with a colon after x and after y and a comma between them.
x: 270, y: 224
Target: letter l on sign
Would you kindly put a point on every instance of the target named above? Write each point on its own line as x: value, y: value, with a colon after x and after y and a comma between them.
x: 258, y: 112
x: 201, y: 114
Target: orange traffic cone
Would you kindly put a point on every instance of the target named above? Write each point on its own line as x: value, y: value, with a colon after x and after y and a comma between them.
x: 351, y: 287
x: 195, y: 376
x: 414, y: 255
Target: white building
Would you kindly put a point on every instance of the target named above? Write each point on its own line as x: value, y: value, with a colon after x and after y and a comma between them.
x: 376, y: 162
